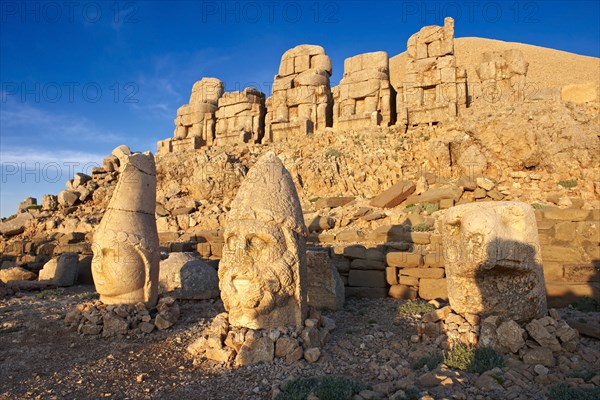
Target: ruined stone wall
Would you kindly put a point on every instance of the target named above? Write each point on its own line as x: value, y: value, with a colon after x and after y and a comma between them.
x: 240, y: 117
x: 364, y: 96
x: 301, y: 102
x: 434, y: 87
x: 502, y: 77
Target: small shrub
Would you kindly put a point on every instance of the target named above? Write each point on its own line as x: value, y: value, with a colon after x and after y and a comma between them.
x: 569, y: 183
x: 471, y: 359
x: 485, y: 359
x: 426, y: 138
x: 372, y: 321
x: 459, y: 357
x: 587, y: 304
x: 33, y: 207
x: 412, y: 394
x: 431, y: 361
x: 333, y: 153
x: 415, y: 307
x: 314, y: 199
x: 564, y: 391
x: 410, y: 207
x: 90, y: 296
x: 430, y: 207
x: 538, y: 206
x: 49, y: 293
x: 582, y: 374
x: 422, y: 227
x: 323, y: 387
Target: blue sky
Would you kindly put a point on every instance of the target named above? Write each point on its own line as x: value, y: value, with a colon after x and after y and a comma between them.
x: 80, y: 78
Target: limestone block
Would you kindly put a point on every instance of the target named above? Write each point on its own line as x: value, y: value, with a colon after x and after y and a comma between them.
x: 312, y: 77
x: 186, y: 277
x: 365, y: 278
x: 325, y: 289
x: 301, y: 63
x: 322, y: 62
x: 207, y: 90
x: 579, y: 93
x: 61, y: 271
x: 493, y: 262
x: 393, y: 196
x: 431, y: 288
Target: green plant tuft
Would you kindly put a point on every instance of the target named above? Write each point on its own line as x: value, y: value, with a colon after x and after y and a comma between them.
x: 587, y: 304
x: 431, y: 361
x: 323, y: 387
x: 582, y: 374
x: 422, y: 227
x: 538, y: 206
x: 430, y: 207
x: 569, y: 183
x: 471, y: 359
x: 564, y: 391
x: 333, y: 153
x: 415, y: 307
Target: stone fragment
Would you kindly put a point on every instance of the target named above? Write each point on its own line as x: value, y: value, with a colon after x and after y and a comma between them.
x: 16, y: 274
x: 185, y: 276
x: 325, y: 288
x: 15, y: 225
x: 541, y: 335
x: 394, y: 195
x: 113, y: 325
x: 67, y: 198
x: 539, y: 355
x: 510, y: 336
x: 493, y: 264
x: 255, y: 351
x: 126, y: 252
x: 312, y: 354
x: 62, y: 271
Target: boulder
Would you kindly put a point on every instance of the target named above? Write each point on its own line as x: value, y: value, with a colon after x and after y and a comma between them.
x: 15, y: 225
x: 325, y: 288
x: 493, y: 262
x: 185, y: 276
x: 16, y: 274
x: 67, y: 198
x: 394, y: 195
x: 61, y: 271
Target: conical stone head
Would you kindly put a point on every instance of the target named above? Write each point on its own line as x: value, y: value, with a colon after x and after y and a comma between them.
x: 125, y: 246
x: 263, y: 269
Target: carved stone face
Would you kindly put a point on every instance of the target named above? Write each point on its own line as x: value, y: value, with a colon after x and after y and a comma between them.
x: 118, y: 271
x: 256, y: 271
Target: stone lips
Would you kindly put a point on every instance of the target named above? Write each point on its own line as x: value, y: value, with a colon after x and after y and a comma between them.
x: 126, y: 248
x: 493, y: 263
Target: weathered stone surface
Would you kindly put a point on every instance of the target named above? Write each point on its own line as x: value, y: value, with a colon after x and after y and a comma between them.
x: 541, y: 335
x: 62, y: 271
x: 187, y: 277
x: 375, y: 279
x: 126, y: 251
x: 394, y: 195
x: 402, y: 292
x: 67, y: 198
x: 510, y: 336
x: 332, y: 202
x: 539, y: 355
x: 579, y: 93
x: 493, y: 264
x: 113, y: 325
x: 566, y: 214
x: 325, y: 288
x: 262, y: 275
x: 255, y: 351
x: 430, y: 289
x: 16, y: 274
x: 15, y: 225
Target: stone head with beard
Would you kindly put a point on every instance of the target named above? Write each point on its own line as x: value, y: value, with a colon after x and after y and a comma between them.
x: 263, y: 269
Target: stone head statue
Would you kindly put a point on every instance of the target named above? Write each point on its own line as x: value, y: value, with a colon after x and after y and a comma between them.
x: 125, y: 245
x: 262, y: 272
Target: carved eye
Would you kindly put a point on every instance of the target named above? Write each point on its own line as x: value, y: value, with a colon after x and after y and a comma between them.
x: 231, y: 242
x: 256, y: 243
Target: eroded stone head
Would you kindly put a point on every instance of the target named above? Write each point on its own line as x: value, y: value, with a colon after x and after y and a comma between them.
x: 125, y: 246
x: 263, y: 267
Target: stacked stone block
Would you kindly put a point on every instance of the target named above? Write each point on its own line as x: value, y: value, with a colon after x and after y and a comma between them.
x: 195, y: 122
x: 502, y: 76
x: 240, y: 117
x: 301, y: 102
x: 434, y: 86
x: 364, y: 96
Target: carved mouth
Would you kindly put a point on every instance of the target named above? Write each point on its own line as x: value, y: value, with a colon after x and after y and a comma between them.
x: 241, y: 284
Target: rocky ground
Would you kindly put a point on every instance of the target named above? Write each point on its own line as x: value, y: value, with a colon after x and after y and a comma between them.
x: 41, y: 358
